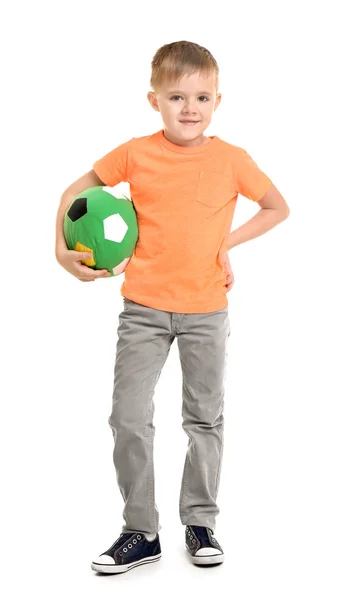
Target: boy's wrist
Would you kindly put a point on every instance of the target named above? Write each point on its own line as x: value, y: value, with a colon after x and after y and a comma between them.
x: 60, y: 246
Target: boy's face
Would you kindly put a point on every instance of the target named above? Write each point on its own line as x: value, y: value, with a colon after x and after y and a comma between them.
x: 193, y: 98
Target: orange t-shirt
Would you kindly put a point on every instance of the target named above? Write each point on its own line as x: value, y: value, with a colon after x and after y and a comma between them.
x: 184, y: 198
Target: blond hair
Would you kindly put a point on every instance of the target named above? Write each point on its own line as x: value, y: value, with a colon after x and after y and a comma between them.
x: 174, y: 60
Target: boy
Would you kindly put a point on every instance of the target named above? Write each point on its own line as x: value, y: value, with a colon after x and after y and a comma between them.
x: 184, y: 187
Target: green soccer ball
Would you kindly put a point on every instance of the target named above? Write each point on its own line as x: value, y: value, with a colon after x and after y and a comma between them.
x: 103, y: 224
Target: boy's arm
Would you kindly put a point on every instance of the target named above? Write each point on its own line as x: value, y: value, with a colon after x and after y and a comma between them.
x: 274, y: 199
x: 88, y: 180
x: 274, y: 210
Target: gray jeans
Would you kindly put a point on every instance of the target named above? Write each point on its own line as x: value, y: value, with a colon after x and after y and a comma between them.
x: 145, y: 336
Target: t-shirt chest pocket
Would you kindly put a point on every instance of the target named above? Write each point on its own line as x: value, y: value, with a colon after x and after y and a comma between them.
x: 214, y: 189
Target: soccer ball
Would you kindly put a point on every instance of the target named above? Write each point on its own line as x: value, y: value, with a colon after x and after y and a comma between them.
x: 102, y: 222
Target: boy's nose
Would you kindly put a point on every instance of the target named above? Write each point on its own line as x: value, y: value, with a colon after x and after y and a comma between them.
x: 189, y: 114
x: 189, y: 108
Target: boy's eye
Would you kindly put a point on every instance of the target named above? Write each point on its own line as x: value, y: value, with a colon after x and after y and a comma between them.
x: 180, y: 97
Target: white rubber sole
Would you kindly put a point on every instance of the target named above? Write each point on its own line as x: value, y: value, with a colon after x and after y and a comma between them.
x: 212, y: 559
x: 122, y: 568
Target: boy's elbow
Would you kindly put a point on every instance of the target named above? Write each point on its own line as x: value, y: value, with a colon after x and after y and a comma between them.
x: 284, y: 211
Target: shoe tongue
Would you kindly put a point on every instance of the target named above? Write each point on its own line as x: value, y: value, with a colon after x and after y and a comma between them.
x: 126, y: 536
x: 201, y: 529
x: 202, y: 534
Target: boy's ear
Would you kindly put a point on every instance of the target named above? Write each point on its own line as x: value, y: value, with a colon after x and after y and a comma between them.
x: 153, y: 101
x: 217, y: 101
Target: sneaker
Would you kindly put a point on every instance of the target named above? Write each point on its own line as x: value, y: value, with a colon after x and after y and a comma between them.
x: 128, y: 551
x: 203, y: 547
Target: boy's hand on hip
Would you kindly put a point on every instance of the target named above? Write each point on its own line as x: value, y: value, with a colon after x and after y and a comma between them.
x: 228, y: 270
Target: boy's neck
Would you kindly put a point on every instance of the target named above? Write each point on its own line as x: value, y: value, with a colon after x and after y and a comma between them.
x: 204, y: 140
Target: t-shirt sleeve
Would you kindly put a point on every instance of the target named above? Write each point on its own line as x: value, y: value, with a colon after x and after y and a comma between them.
x: 112, y: 168
x: 251, y: 182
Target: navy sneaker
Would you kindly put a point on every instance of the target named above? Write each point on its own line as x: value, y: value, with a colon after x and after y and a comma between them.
x: 203, y: 547
x: 128, y: 551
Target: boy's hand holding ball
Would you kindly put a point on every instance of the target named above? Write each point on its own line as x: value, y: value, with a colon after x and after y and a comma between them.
x: 71, y: 261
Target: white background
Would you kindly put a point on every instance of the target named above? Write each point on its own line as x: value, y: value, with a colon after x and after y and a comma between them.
x: 75, y: 77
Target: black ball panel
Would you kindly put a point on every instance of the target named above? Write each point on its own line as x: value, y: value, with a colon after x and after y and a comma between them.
x: 78, y: 209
